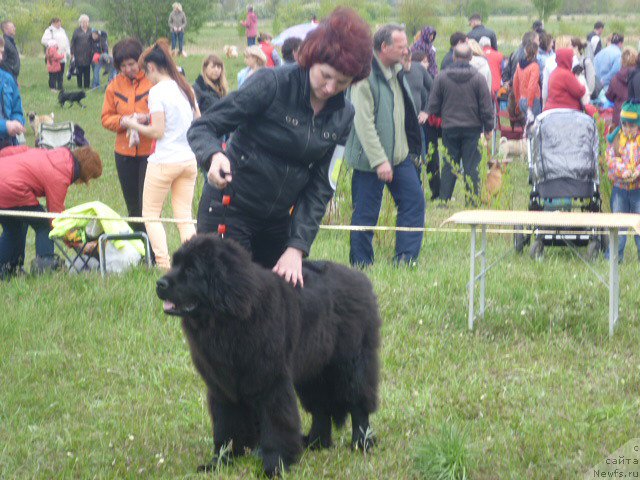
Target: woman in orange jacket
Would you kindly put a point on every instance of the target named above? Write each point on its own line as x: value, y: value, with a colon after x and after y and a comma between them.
x: 126, y: 97
x: 526, y: 83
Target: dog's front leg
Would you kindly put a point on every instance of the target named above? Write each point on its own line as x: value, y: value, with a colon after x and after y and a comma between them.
x: 235, y: 431
x: 280, y: 430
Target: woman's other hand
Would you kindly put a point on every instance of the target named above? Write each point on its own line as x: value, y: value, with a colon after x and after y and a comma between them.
x: 289, y: 266
x: 220, y: 171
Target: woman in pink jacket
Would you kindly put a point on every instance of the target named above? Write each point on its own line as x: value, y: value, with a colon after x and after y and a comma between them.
x: 251, y: 25
x: 27, y: 174
x: 54, y: 66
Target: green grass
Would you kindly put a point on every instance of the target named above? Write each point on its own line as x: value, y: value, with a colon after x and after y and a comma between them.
x: 95, y: 382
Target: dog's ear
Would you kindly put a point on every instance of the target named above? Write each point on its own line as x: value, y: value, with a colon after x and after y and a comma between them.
x: 230, y: 276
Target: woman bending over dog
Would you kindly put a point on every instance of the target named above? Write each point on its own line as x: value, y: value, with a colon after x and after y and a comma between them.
x: 25, y: 175
x: 172, y: 166
x: 287, y: 123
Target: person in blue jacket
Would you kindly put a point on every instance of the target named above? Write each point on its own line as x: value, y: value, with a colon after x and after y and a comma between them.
x: 11, y: 115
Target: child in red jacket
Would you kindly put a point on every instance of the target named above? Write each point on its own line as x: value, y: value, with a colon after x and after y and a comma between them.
x: 54, y: 66
x: 26, y: 174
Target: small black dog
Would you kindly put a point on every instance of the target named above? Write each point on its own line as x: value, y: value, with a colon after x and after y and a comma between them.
x: 71, y: 97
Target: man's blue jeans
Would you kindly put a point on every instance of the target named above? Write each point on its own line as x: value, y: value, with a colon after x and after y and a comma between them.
x: 366, y: 194
x: 14, y: 235
x: 177, y: 38
x: 96, y: 67
x: 625, y: 201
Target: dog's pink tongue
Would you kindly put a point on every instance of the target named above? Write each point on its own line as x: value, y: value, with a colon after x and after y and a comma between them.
x: 168, y: 306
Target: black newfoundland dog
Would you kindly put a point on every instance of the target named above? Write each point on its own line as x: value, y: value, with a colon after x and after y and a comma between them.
x: 256, y: 340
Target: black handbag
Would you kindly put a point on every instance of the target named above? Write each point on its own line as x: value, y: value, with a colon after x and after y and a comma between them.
x: 73, y: 71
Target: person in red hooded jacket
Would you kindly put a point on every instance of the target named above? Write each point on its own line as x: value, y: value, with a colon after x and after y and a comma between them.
x: 565, y: 90
x: 27, y: 174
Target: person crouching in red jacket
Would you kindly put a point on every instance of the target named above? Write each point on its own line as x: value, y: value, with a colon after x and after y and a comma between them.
x: 565, y: 90
x: 27, y: 174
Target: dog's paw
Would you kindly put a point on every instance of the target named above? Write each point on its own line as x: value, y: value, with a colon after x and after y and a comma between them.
x: 316, y: 443
x: 364, y: 443
x: 215, y: 464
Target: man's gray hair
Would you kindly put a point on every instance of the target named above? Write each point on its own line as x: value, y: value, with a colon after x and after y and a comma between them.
x: 5, y: 25
x: 462, y: 51
x: 384, y: 35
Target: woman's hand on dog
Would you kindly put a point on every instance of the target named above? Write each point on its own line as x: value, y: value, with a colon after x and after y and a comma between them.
x: 289, y: 266
x: 220, y: 171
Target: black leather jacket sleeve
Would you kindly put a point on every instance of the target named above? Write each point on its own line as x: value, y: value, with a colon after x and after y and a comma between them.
x: 224, y: 117
x: 311, y: 206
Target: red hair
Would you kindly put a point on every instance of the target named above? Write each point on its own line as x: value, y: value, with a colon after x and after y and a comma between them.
x: 342, y: 40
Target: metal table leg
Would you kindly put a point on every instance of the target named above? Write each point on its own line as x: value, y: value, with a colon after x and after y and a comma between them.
x: 472, y: 277
x: 483, y: 269
x: 614, y: 280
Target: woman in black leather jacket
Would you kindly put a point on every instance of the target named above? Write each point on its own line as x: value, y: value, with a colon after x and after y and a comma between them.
x: 286, y: 124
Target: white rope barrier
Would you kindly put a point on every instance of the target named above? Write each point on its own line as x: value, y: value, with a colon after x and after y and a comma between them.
x: 349, y: 228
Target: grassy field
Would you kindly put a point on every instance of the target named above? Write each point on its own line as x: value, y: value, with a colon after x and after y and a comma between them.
x: 95, y: 382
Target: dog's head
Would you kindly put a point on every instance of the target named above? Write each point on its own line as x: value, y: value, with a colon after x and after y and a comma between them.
x: 31, y: 116
x: 210, y: 276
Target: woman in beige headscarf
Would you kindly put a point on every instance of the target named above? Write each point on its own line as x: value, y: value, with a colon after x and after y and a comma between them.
x: 254, y: 59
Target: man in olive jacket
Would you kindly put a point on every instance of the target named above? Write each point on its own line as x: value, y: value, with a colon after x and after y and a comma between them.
x: 384, y: 141
x: 462, y: 99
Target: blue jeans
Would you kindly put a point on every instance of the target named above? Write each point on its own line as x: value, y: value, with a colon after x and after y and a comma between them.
x: 625, y: 201
x: 14, y: 235
x: 251, y: 41
x: 96, y: 67
x: 366, y: 195
x: 537, y: 106
x: 177, y: 38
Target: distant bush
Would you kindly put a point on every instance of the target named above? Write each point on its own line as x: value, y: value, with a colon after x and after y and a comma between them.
x: 416, y: 14
x: 31, y: 21
x: 375, y: 12
x: 479, y: 6
x: 147, y: 20
x: 292, y: 13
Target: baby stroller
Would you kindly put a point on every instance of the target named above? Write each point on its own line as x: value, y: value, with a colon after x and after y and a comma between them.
x: 62, y: 134
x: 562, y: 150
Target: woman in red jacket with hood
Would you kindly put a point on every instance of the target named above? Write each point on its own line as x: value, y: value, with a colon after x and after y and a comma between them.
x: 29, y: 173
x: 565, y: 90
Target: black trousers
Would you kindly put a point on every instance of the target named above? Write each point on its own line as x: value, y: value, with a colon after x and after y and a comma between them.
x: 266, y: 239
x: 55, y: 80
x: 433, y: 161
x: 131, y: 173
x: 84, y: 76
x: 462, y: 145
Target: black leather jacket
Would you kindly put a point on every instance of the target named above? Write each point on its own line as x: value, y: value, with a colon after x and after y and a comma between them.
x: 279, y: 151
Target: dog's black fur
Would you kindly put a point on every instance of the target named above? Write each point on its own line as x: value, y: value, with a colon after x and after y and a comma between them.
x: 71, y: 97
x: 256, y: 340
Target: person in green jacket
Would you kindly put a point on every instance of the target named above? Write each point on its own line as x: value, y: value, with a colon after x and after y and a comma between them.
x: 382, y: 147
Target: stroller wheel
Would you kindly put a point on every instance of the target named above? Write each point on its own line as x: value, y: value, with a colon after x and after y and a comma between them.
x: 594, y: 247
x: 520, y: 240
x: 537, y: 249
